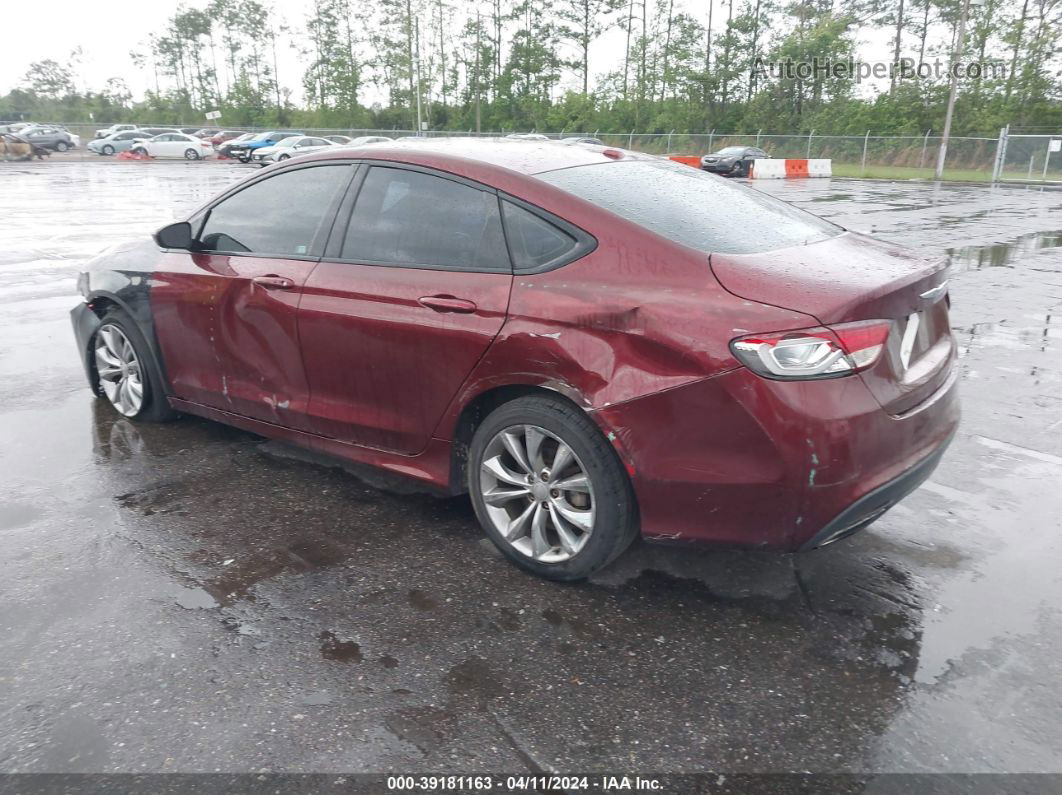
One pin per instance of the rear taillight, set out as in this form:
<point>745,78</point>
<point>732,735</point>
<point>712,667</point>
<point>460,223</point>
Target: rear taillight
<point>813,352</point>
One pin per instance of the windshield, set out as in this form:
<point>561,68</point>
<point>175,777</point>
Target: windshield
<point>731,150</point>
<point>691,207</point>
<point>287,142</point>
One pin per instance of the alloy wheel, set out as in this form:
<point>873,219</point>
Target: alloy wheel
<point>537,493</point>
<point>121,375</point>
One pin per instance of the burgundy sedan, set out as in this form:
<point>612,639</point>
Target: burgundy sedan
<point>592,343</point>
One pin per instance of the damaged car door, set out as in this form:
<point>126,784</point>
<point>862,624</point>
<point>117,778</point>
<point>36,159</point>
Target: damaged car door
<point>225,312</point>
<point>412,290</point>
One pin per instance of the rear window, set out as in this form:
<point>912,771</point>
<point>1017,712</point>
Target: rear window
<point>691,207</point>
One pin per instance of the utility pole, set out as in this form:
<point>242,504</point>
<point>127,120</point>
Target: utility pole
<point>475,80</point>
<point>955,56</point>
<point>416,33</point>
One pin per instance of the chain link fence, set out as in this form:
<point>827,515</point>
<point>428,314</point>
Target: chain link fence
<point>1022,157</point>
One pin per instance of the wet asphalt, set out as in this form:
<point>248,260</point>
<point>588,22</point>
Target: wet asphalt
<point>188,597</point>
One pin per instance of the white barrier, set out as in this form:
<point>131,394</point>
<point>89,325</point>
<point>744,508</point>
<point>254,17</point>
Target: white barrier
<point>768,169</point>
<point>778,168</point>
<point>820,168</point>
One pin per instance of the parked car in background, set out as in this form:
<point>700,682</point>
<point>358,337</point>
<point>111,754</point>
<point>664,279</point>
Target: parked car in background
<point>243,150</point>
<point>361,140</point>
<point>174,144</point>
<point>342,140</point>
<point>14,147</point>
<point>733,161</point>
<point>223,136</point>
<point>151,132</point>
<point>14,127</point>
<point>206,132</point>
<point>463,321</point>
<point>48,137</point>
<point>576,140</point>
<point>107,132</point>
<point>116,142</point>
<point>290,147</point>
<point>527,137</point>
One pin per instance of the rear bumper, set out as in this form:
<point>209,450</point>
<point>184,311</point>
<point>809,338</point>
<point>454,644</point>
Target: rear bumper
<point>873,505</point>
<point>743,461</point>
<point>85,324</point>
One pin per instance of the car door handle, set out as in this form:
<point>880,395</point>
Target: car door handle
<point>273,282</point>
<point>447,303</point>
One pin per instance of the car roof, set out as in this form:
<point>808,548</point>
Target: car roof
<point>520,155</point>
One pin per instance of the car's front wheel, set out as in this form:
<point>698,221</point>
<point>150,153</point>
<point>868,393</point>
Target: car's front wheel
<point>108,149</point>
<point>284,157</point>
<point>549,490</point>
<point>127,374</point>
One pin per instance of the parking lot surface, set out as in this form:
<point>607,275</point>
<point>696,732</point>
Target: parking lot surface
<point>188,597</point>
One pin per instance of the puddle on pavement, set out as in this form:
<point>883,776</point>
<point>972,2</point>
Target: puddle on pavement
<point>319,699</point>
<point>195,599</point>
<point>333,648</point>
<point>1001,254</point>
<point>16,514</point>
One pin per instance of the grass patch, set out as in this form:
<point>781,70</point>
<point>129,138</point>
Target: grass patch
<point>913,172</point>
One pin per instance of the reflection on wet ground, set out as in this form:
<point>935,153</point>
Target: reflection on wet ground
<point>999,254</point>
<point>188,597</point>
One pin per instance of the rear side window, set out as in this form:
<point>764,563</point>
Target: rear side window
<point>410,218</point>
<point>691,207</point>
<point>280,216</point>
<point>535,242</point>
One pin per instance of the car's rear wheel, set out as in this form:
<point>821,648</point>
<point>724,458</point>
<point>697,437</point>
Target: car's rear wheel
<point>127,374</point>
<point>191,154</point>
<point>62,146</point>
<point>549,490</point>
<point>108,149</point>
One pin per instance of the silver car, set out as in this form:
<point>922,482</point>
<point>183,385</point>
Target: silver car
<point>107,132</point>
<point>49,137</point>
<point>367,139</point>
<point>116,142</point>
<point>290,147</point>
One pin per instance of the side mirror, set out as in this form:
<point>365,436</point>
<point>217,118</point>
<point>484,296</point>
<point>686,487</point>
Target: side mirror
<point>178,235</point>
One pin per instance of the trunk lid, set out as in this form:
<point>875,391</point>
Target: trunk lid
<point>853,277</point>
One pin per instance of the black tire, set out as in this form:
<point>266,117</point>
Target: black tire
<point>282,158</point>
<point>616,519</point>
<point>245,158</point>
<point>140,151</point>
<point>191,154</point>
<point>108,149</point>
<point>62,146</point>
<point>155,407</point>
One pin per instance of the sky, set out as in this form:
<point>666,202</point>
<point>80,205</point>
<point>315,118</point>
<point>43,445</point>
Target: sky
<point>106,35</point>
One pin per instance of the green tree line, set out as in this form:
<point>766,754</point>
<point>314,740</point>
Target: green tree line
<point>528,64</point>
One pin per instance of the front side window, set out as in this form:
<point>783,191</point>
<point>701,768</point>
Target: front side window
<point>284,215</point>
<point>693,208</point>
<point>410,218</point>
